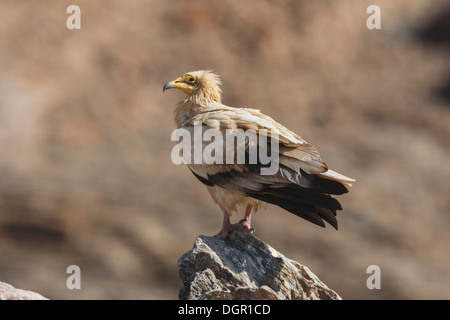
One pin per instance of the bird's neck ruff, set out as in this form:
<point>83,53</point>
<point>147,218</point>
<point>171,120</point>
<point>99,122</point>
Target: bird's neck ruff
<point>207,94</point>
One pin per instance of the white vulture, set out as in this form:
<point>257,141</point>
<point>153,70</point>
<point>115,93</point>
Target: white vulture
<point>302,183</point>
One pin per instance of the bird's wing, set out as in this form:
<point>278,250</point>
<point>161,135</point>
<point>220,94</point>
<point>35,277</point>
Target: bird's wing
<point>294,152</point>
<point>298,186</point>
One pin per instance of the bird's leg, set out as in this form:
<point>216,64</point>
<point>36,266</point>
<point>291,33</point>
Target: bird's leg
<point>246,222</point>
<point>227,226</point>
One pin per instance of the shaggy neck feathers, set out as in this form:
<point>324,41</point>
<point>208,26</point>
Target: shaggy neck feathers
<point>208,89</point>
<point>207,93</point>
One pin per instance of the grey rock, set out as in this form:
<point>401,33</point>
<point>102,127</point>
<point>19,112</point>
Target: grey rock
<point>242,267</point>
<point>8,292</point>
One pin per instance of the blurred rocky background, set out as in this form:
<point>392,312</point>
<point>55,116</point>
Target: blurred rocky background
<point>86,176</point>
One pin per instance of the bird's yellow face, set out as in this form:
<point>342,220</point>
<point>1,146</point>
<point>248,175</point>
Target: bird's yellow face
<point>187,83</point>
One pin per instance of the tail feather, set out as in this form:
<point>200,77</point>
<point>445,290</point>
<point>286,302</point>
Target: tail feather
<point>333,175</point>
<point>302,211</point>
<point>309,204</point>
<point>306,196</point>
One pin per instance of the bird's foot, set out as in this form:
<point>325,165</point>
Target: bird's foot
<point>227,226</point>
<point>246,225</point>
<point>221,235</point>
<point>226,229</point>
<point>243,224</point>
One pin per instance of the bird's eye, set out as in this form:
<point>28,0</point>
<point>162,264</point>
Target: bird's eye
<point>191,79</point>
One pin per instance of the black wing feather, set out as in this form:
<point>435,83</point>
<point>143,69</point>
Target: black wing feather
<point>308,203</point>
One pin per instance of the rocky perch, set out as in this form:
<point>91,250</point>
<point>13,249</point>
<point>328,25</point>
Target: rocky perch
<point>242,267</point>
<point>8,292</point>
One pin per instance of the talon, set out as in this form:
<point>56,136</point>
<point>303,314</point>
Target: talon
<point>246,225</point>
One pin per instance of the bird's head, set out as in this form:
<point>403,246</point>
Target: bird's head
<point>188,83</point>
<point>202,85</point>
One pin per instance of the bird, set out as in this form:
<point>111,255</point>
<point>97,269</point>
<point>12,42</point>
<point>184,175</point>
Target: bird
<point>302,184</point>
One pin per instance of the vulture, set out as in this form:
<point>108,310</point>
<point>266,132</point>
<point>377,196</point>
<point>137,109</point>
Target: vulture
<point>237,174</point>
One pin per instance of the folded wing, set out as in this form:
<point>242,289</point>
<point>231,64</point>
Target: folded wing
<point>303,184</point>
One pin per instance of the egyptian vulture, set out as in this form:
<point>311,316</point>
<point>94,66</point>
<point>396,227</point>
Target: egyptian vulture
<point>302,183</point>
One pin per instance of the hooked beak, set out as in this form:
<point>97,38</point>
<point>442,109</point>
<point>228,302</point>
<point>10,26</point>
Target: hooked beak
<point>180,85</point>
<point>169,85</point>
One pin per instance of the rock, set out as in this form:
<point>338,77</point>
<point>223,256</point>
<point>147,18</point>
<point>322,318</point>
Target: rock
<point>8,292</point>
<point>242,267</point>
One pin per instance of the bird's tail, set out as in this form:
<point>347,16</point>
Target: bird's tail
<point>307,203</point>
<point>332,175</point>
